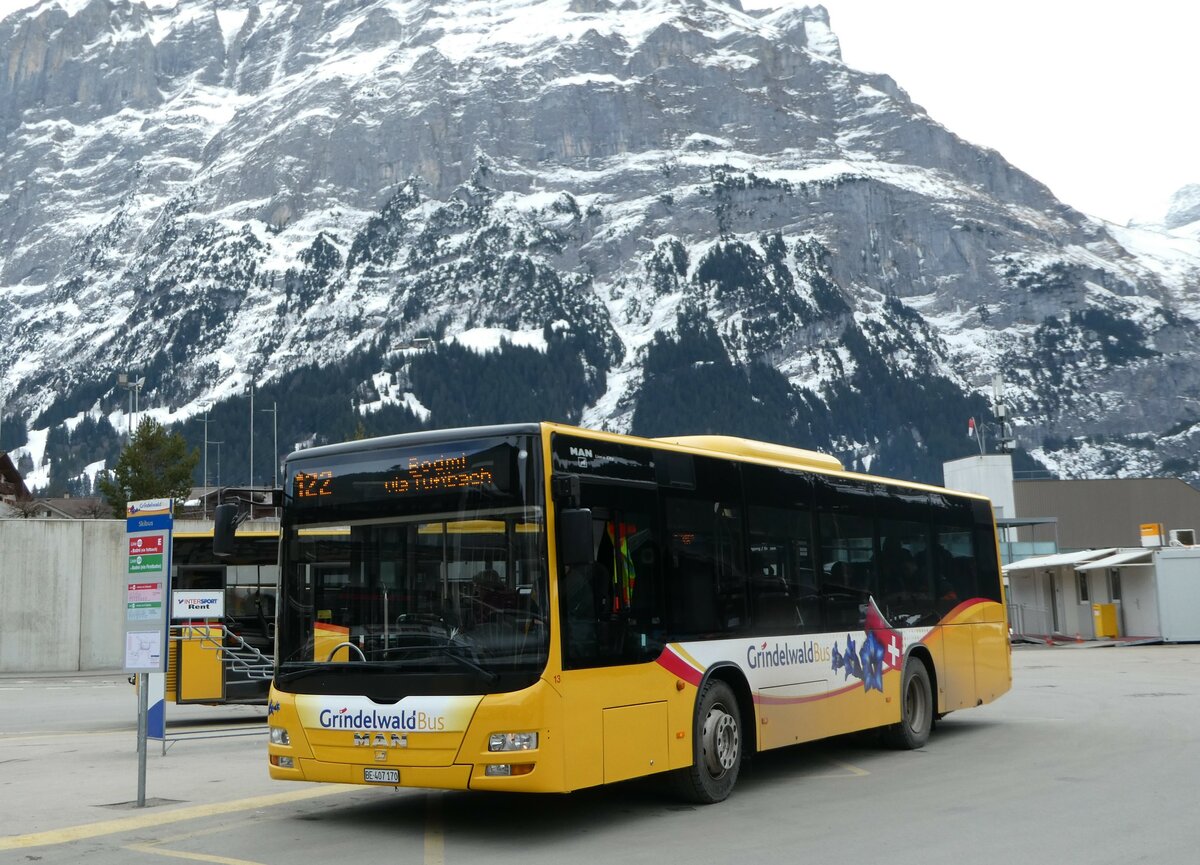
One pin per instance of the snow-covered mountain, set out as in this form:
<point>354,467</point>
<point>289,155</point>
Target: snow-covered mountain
<point>663,216</point>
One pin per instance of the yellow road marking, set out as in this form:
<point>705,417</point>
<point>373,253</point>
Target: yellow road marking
<point>853,770</point>
<point>25,736</point>
<point>156,846</point>
<point>195,857</point>
<point>162,818</point>
<point>435,839</point>
<point>22,736</point>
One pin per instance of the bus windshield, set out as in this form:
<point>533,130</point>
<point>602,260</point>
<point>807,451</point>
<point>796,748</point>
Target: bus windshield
<point>415,568</point>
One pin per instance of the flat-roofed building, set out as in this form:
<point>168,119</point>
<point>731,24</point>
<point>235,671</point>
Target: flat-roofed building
<point>1109,512</point>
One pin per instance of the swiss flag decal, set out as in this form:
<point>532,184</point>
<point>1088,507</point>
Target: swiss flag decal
<point>888,637</point>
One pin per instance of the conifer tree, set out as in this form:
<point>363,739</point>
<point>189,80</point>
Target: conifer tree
<point>155,464</point>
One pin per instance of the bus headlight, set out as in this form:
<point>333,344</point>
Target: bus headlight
<point>513,742</point>
<point>279,736</point>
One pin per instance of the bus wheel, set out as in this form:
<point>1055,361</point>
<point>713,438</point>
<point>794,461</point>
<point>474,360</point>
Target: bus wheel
<point>916,709</point>
<point>716,746</point>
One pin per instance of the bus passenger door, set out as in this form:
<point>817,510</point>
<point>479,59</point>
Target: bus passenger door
<point>613,693</point>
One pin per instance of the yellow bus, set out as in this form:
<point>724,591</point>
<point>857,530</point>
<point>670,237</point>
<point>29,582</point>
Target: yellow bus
<point>543,608</point>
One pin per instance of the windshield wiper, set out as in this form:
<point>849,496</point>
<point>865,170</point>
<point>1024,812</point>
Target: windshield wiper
<point>452,651</point>
<point>469,663</point>
<point>337,666</point>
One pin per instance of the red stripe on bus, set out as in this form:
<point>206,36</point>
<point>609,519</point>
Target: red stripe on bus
<point>671,662</point>
<point>962,608</point>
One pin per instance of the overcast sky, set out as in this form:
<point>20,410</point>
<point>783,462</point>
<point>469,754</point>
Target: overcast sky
<point>1095,98</point>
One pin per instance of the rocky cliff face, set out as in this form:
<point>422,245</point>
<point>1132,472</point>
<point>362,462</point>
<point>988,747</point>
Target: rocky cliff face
<point>679,216</point>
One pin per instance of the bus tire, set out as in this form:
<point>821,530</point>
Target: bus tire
<point>916,709</point>
<point>716,746</point>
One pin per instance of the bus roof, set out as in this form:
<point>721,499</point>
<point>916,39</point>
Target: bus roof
<point>416,438</point>
<point>750,450</point>
<point>734,446</point>
<point>729,446</point>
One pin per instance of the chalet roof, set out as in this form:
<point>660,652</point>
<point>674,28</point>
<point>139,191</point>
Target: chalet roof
<point>76,507</point>
<point>11,483</point>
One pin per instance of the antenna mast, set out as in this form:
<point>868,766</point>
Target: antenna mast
<point>1005,440</point>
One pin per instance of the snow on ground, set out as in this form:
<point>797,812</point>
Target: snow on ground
<point>483,340</point>
<point>1172,256</point>
<point>231,21</point>
<point>35,449</point>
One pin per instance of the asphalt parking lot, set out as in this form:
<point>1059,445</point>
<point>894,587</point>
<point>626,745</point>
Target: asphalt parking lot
<point>1091,758</point>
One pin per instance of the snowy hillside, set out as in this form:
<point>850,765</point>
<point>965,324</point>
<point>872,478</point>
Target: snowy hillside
<point>663,216</point>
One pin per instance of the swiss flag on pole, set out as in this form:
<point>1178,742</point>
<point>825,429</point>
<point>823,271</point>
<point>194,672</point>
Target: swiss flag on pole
<point>971,427</point>
<point>888,637</point>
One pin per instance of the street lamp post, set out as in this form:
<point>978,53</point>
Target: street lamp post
<point>218,444</point>
<point>250,388</point>
<point>204,404</point>
<point>134,387</point>
<point>274,412</point>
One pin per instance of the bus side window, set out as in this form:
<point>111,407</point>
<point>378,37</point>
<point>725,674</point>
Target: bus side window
<point>987,570</point>
<point>953,556</point>
<point>848,562</point>
<point>906,589</point>
<point>707,582</point>
<point>783,591</point>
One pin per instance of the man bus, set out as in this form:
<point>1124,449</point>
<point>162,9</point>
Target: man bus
<point>543,608</point>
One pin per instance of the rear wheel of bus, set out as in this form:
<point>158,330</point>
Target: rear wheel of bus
<point>716,746</point>
<point>916,709</point>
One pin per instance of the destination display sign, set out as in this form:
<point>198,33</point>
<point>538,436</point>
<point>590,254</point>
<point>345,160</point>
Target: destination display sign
<point>484,467</point>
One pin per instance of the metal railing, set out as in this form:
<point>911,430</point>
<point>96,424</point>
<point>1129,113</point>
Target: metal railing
<point>1028,620</point>
<point>236,653</point>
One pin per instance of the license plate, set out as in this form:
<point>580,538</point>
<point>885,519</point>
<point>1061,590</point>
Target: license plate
<point>382,776</point>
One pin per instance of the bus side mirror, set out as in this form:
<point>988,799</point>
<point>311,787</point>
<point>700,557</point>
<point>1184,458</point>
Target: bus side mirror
<point>225,523</point>
<point>575,536</point>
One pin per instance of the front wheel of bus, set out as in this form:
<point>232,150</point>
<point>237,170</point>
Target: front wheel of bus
<point>916,709</point>
<point>716,746</point>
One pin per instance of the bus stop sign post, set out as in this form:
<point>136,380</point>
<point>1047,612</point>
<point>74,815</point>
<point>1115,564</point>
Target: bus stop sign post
<point>148,526</point>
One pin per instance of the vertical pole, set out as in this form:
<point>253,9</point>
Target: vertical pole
<point>275,435</point>
<point>252,437</point>
<point>204,483</point>
<point>143,712</point>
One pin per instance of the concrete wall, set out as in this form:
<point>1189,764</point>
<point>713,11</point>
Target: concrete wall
<point>62,592</point>
<point>63,588</point>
